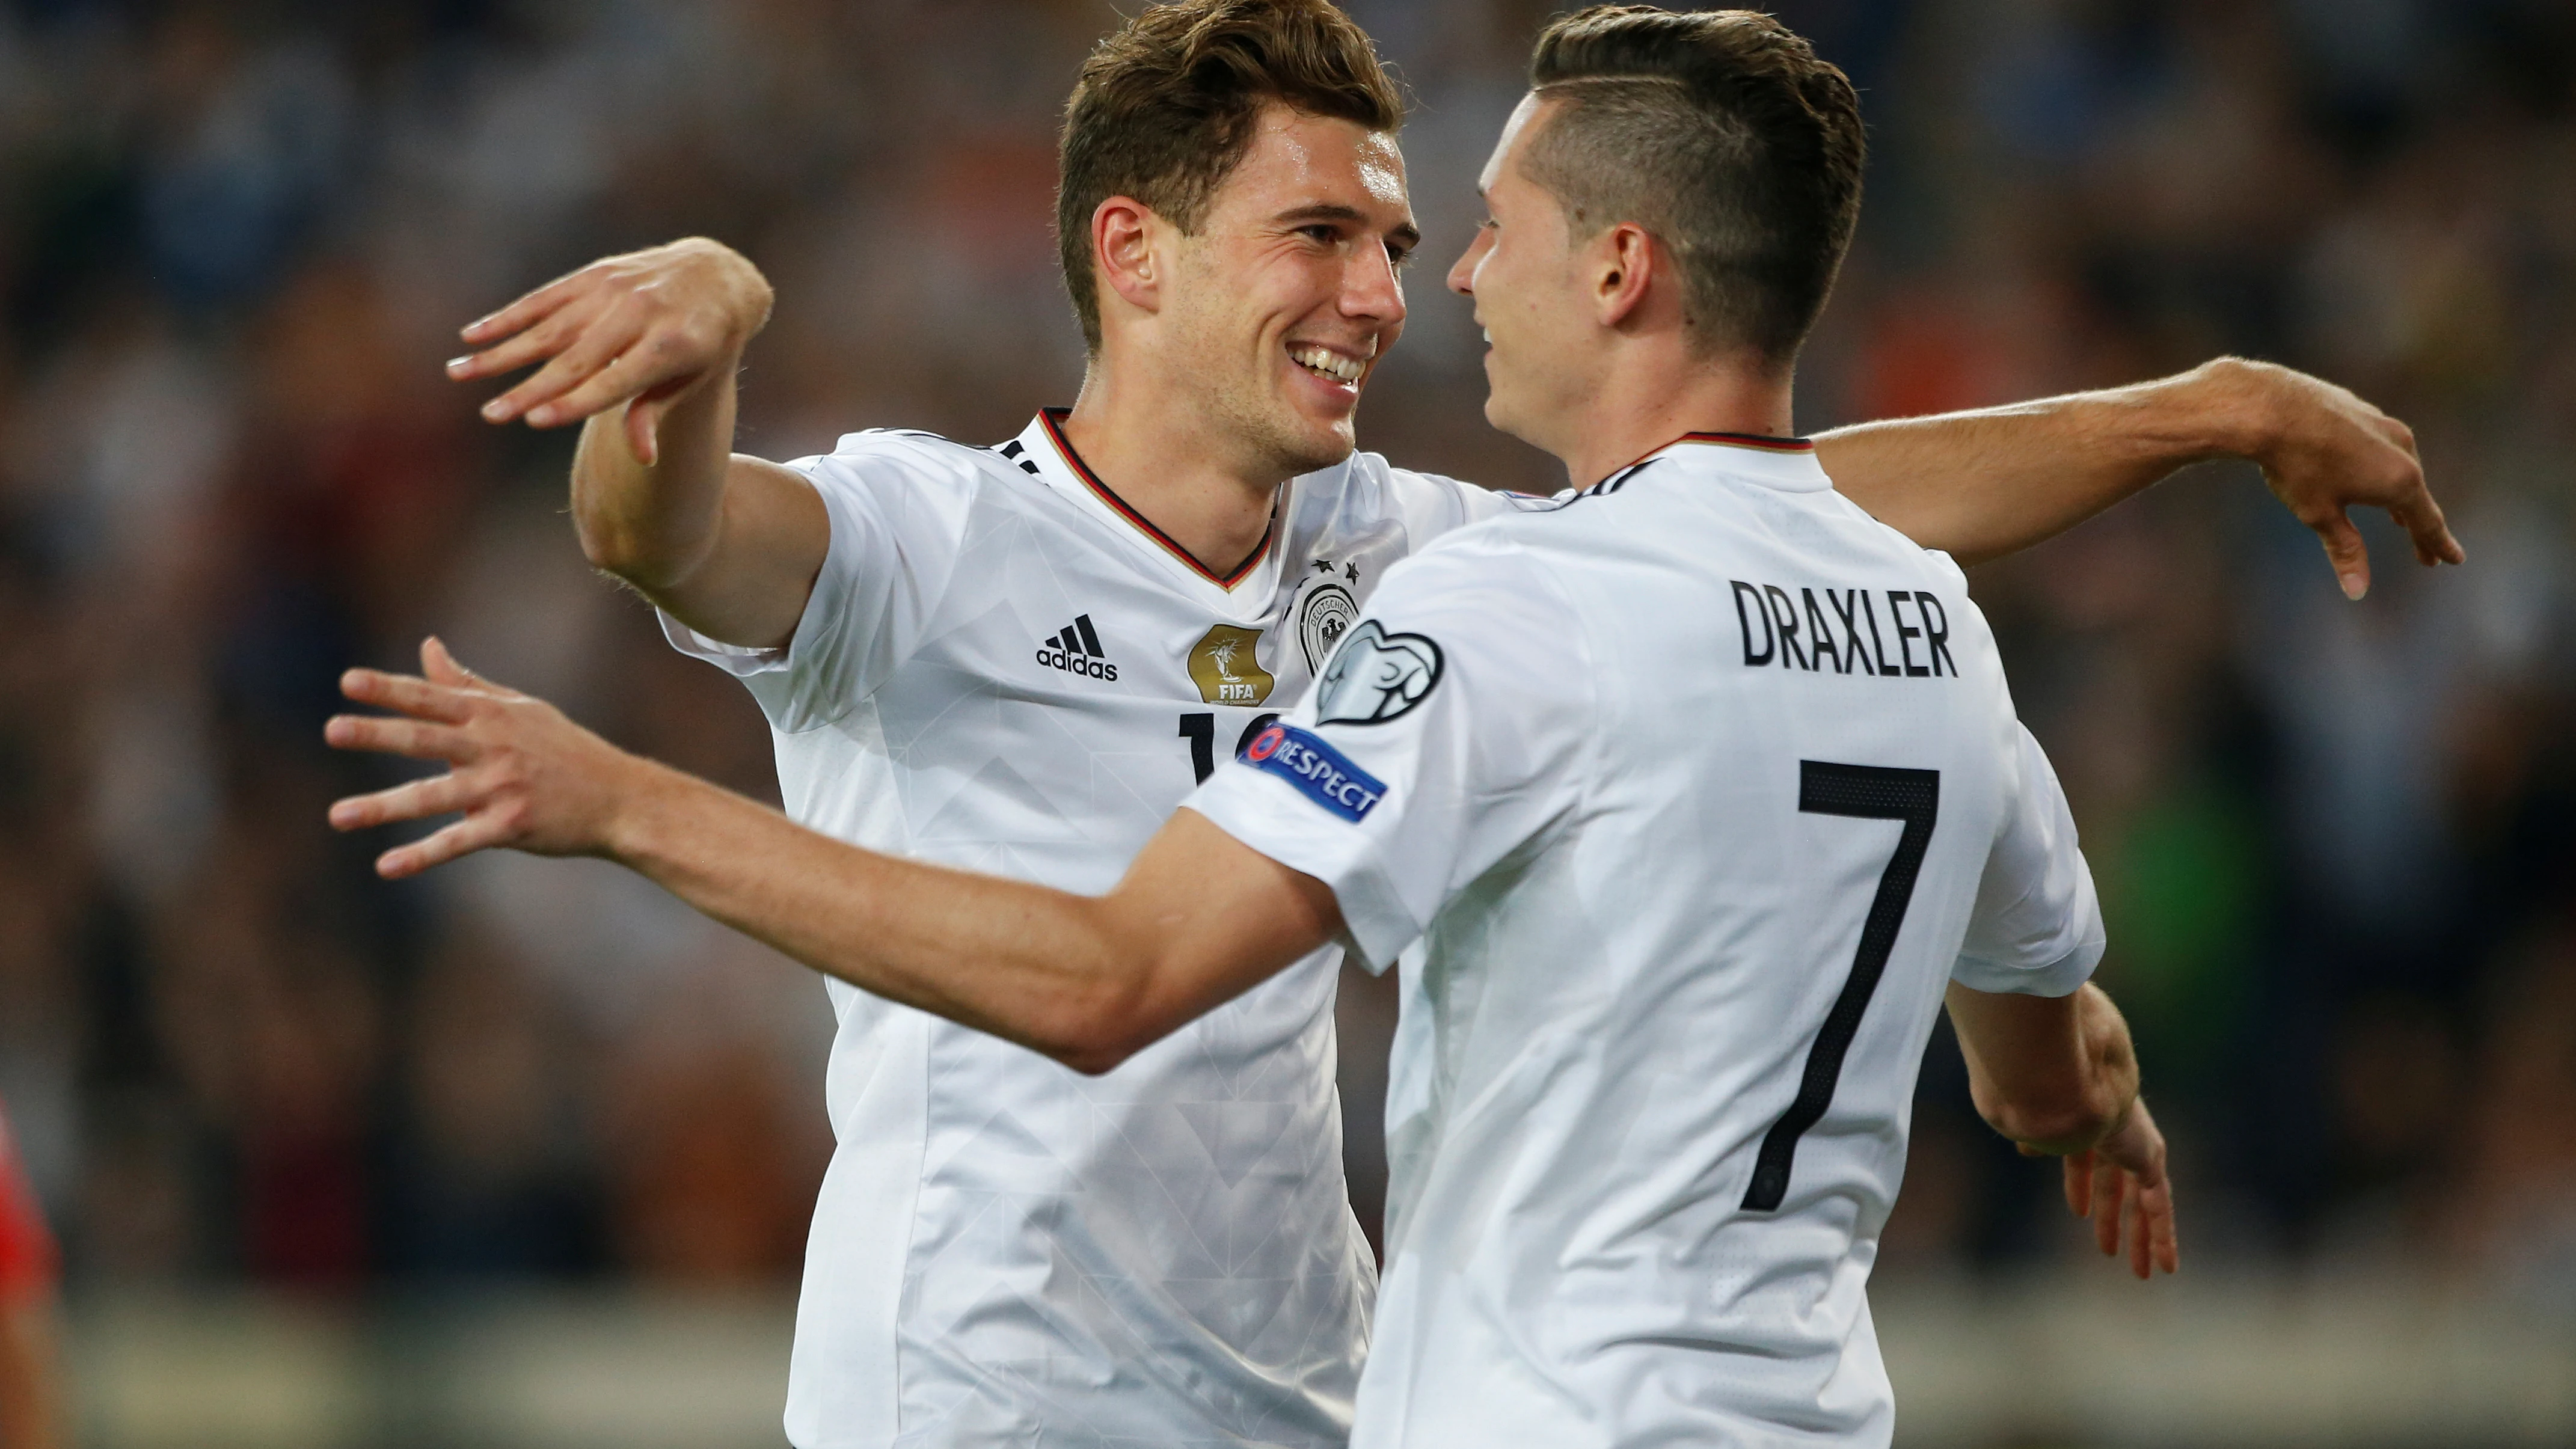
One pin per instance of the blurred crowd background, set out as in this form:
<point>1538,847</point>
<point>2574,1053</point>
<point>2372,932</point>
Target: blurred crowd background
<point>2336,842</point>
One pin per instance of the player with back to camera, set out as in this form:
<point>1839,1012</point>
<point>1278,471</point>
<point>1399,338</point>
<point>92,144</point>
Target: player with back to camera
<point>1021,659</point>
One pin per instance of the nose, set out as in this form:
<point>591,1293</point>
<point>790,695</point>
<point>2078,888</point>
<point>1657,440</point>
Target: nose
<point>1462,275</point>
<point>1370,287</point>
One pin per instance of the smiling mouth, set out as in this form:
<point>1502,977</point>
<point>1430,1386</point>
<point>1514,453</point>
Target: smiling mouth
<point>1328,364</point>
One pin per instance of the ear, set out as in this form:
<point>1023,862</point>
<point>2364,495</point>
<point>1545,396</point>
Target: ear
<point>1623,262</point>
<point>1123,253</point>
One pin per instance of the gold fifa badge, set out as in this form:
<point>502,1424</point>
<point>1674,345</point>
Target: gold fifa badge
<point>1226,672</point>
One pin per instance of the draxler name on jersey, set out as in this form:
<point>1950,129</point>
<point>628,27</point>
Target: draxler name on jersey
<point>1320,772</point>
<point>1842,633</point>
<point>1076,650</point>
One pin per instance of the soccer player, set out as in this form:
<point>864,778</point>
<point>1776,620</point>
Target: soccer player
<point>1021,659</point>
<point>30,1401</point>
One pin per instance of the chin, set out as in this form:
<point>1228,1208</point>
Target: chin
<point>1308,444</point>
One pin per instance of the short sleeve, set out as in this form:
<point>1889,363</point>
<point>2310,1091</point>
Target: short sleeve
<point>1447,730</point>
<point>27,1257</point>
<point>2037,927</point>
<point>898,511</point>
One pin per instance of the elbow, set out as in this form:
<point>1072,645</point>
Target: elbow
<point>1093,1061</point>
<point>618,552</point>
<point>1096,1035</point>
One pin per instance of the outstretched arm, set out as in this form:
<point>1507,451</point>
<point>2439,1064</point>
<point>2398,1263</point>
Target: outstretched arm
<point>1090,980</point>
<point>1991,482</point>
<point>642,350</point>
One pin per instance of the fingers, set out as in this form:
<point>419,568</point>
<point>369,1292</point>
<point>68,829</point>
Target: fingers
<point>529,309</point>
<point>466,836</point>
<point>414,800</point>
<point>2107,1195</point>
<point>408,738</point>
<point>643,431</point>
<point>2079,1183</point>
<point>647,362</point>
<point>600,344</point>
<point>418,698</point>
<point>2163,1245</point>
<point>2345,551</point>
<point>2133,1225</point>
<point>2422,519</point>
<point>543,339</point>
<point>442,669</point>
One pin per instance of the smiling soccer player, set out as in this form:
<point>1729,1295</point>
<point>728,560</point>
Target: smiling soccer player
<point>1021,659</point>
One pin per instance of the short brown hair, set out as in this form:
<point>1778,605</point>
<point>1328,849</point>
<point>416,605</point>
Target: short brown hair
<point>1723,135</point>
<point>1165,108</point>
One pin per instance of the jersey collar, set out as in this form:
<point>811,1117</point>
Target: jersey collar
<point>1045,451</point>
<point>1787,464</point>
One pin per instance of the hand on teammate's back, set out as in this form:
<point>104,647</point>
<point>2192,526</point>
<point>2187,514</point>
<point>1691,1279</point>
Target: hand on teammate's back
<point>645,327</point>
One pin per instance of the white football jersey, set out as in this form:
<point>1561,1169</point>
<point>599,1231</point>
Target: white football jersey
<point>1003,668</point>
<point>1702,786</point>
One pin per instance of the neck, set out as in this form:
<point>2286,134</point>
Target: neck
<point>1650,395</point>
<point>1172,463</point>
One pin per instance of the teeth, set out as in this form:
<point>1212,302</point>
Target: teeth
<point>1325,362</point>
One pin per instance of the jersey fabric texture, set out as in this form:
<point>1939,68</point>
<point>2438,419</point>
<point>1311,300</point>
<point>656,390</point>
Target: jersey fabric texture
<point>1659,773</point>
<point>28,1263</point>
<point>1003,668</point>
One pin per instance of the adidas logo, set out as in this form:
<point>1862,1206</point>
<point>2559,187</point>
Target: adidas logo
<point>1076,650</point>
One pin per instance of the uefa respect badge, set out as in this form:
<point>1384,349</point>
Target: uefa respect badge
<point>1320,772</point>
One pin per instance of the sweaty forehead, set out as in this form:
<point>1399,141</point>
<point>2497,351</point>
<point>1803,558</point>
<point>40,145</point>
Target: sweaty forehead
<point>1297,159</point>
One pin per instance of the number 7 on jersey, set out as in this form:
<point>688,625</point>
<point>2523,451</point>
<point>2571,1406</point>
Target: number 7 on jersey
<point>1865,792</point>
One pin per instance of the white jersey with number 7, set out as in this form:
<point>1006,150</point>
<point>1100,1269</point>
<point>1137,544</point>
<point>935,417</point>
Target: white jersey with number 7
<point>1702,787</point>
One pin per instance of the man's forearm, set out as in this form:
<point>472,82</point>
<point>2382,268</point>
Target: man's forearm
<point>1982,484</point>
<point>2053,1073</point>
<point>651,523</point>
<point>2111,1060</point>
<point>1036,966</point>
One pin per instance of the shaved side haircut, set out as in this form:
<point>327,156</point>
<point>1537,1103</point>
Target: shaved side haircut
<point>1725,137</point>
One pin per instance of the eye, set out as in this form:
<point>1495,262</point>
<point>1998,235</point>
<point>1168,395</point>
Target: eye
<point>1322,232</point>
<point>1401,257</point>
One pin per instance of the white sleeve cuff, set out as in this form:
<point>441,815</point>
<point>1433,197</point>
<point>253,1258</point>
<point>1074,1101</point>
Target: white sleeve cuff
<point>1376,924</point>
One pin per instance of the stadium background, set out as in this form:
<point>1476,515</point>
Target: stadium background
<point>522,1154</point>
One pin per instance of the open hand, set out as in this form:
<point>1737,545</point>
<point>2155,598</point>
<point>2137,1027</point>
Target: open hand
<point>523,775</point>
<point>640,330</point>
<point>2328,451</point>
<point>2121,1185</point>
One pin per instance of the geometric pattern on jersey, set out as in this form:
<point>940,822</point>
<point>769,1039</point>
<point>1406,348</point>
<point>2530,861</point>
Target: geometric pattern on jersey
<point>1693,862</point>
<point>993,672</point>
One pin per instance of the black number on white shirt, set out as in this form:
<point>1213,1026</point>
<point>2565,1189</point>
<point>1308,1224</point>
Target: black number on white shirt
<point>1200,731</point>
<point>1865,792</point>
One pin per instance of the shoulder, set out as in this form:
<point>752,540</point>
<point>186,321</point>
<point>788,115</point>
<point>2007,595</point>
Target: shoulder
<point>1433,498</point>
<point>881,456</point>
<point>1486,585</point>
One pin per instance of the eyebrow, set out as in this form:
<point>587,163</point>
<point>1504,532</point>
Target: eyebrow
<point>1405,232</point>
